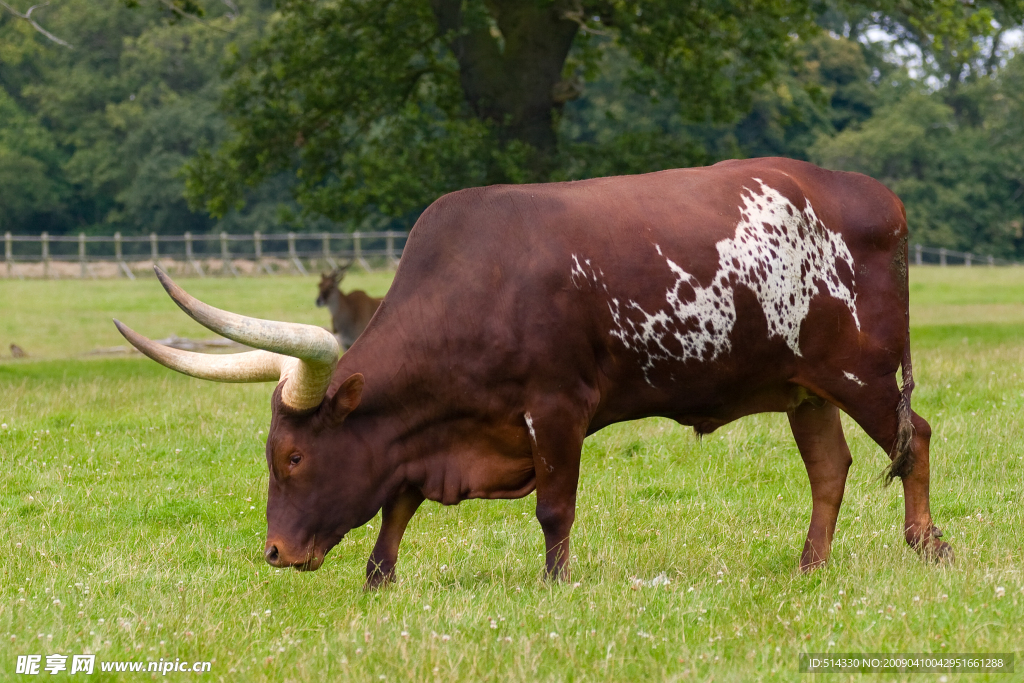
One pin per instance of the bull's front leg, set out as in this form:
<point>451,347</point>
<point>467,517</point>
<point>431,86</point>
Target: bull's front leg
<point>557,441</point>
<point>397,512</point>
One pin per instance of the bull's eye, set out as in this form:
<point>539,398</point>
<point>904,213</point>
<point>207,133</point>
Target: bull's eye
<point>296,459</point>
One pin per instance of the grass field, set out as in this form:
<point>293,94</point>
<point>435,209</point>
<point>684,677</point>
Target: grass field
<point>132,516</point>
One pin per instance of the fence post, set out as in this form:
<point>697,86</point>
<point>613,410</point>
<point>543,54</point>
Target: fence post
<point>9,254</point>
<point>81,256</point>
<point>154,248</point>
<point>390,248</point>
<point>190,256</point>
<point>119,257</point>
<point>257,247</point>
<point>293,255</point>
<point>967,259</point>
<point>327,252</point>
<point>225,255</point>
<point>991,261</point>
<point>917,254</point>
<point>357,249</point>
<point>942,256</point>
<point>46,254</point>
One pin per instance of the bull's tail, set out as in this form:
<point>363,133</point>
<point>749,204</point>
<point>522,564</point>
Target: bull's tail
<point>902,456</point>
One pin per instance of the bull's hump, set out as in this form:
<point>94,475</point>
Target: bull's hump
<point>782,253</point>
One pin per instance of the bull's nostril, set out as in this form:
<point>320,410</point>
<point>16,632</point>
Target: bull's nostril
<point>271,555</point>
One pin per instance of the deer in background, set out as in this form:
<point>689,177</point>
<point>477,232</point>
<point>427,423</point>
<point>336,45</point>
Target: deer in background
<point>350,312</point>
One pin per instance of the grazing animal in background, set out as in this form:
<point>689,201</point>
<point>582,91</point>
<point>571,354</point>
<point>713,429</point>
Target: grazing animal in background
<point>523,318</point>
<point>350,313</point>
<point>17,351</point>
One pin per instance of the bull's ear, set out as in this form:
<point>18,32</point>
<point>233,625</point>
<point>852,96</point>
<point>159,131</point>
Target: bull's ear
<point>346,398</point>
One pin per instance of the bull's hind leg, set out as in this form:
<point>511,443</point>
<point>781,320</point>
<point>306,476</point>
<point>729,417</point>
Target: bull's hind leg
<point>920,531</point>
<point>819,436</point>
<point>883,412</point>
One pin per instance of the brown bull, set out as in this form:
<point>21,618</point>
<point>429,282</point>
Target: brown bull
<point>350,313</point>
<point>523,318</point>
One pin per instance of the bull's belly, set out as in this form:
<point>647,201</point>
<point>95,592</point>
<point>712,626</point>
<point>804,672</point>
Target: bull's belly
<point>478,474</point>
<point>704,410</point>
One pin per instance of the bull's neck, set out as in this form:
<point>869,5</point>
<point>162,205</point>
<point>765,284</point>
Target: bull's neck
<point>404,399</point>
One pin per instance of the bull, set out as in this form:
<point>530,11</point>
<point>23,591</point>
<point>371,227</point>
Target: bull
<point>523,318</point>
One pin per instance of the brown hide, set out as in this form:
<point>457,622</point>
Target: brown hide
<point>523,318</point>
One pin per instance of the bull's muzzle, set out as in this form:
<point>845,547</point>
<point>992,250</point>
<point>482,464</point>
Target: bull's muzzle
<point>308,560</point>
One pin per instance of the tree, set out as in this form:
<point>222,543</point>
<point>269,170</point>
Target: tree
<point>961,183</point>
<point>382,106</point>
<point>27,16</point>
<point>93,138</point>
<point>379,107</point>
<point>613,129</point>
<point>28,157</point>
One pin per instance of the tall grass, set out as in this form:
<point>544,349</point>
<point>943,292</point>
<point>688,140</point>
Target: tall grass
<point>132,508</point>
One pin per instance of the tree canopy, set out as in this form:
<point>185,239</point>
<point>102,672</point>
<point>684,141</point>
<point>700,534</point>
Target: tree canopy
<point>382,106</point>
<point>385,105</point>
<point>169,115</point>
<point>94,137</point>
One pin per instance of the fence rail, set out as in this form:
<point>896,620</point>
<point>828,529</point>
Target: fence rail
<point>924,256</point>
<point>87,256</point>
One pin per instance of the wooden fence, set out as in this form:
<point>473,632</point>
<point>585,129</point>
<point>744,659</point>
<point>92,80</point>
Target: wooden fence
<point>924,256</point>
<point>87,256</point>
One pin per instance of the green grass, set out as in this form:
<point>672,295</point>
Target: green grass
<point>68,318</point>
<point>136,496</point>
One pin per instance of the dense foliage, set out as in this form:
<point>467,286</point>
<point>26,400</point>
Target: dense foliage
<point>357,114</point>
<point>93,138</point>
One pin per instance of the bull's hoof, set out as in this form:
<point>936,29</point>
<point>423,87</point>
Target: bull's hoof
<point>931,548</point>
<point>378,580</point>
<point>939,552</point>
<point>561,575</point>
<point>814,556</point>
<point>808,566</point>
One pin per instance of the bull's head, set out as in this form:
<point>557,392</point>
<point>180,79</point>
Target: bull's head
<point>305,518</point>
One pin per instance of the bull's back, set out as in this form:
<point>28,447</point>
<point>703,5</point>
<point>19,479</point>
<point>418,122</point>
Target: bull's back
<point>646,283</point>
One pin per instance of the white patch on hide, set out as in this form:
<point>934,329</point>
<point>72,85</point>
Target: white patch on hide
<point>782,254</point>
<point>579,275</point>
<point>853,378</point>
<point>529,425</point>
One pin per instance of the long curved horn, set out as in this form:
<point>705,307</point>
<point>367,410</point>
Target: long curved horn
<point>251,366</point>
<point>308,342</point>
<point>304,355</point>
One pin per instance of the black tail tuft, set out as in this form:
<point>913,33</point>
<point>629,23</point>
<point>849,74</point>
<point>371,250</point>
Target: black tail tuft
<point>902,455</point>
